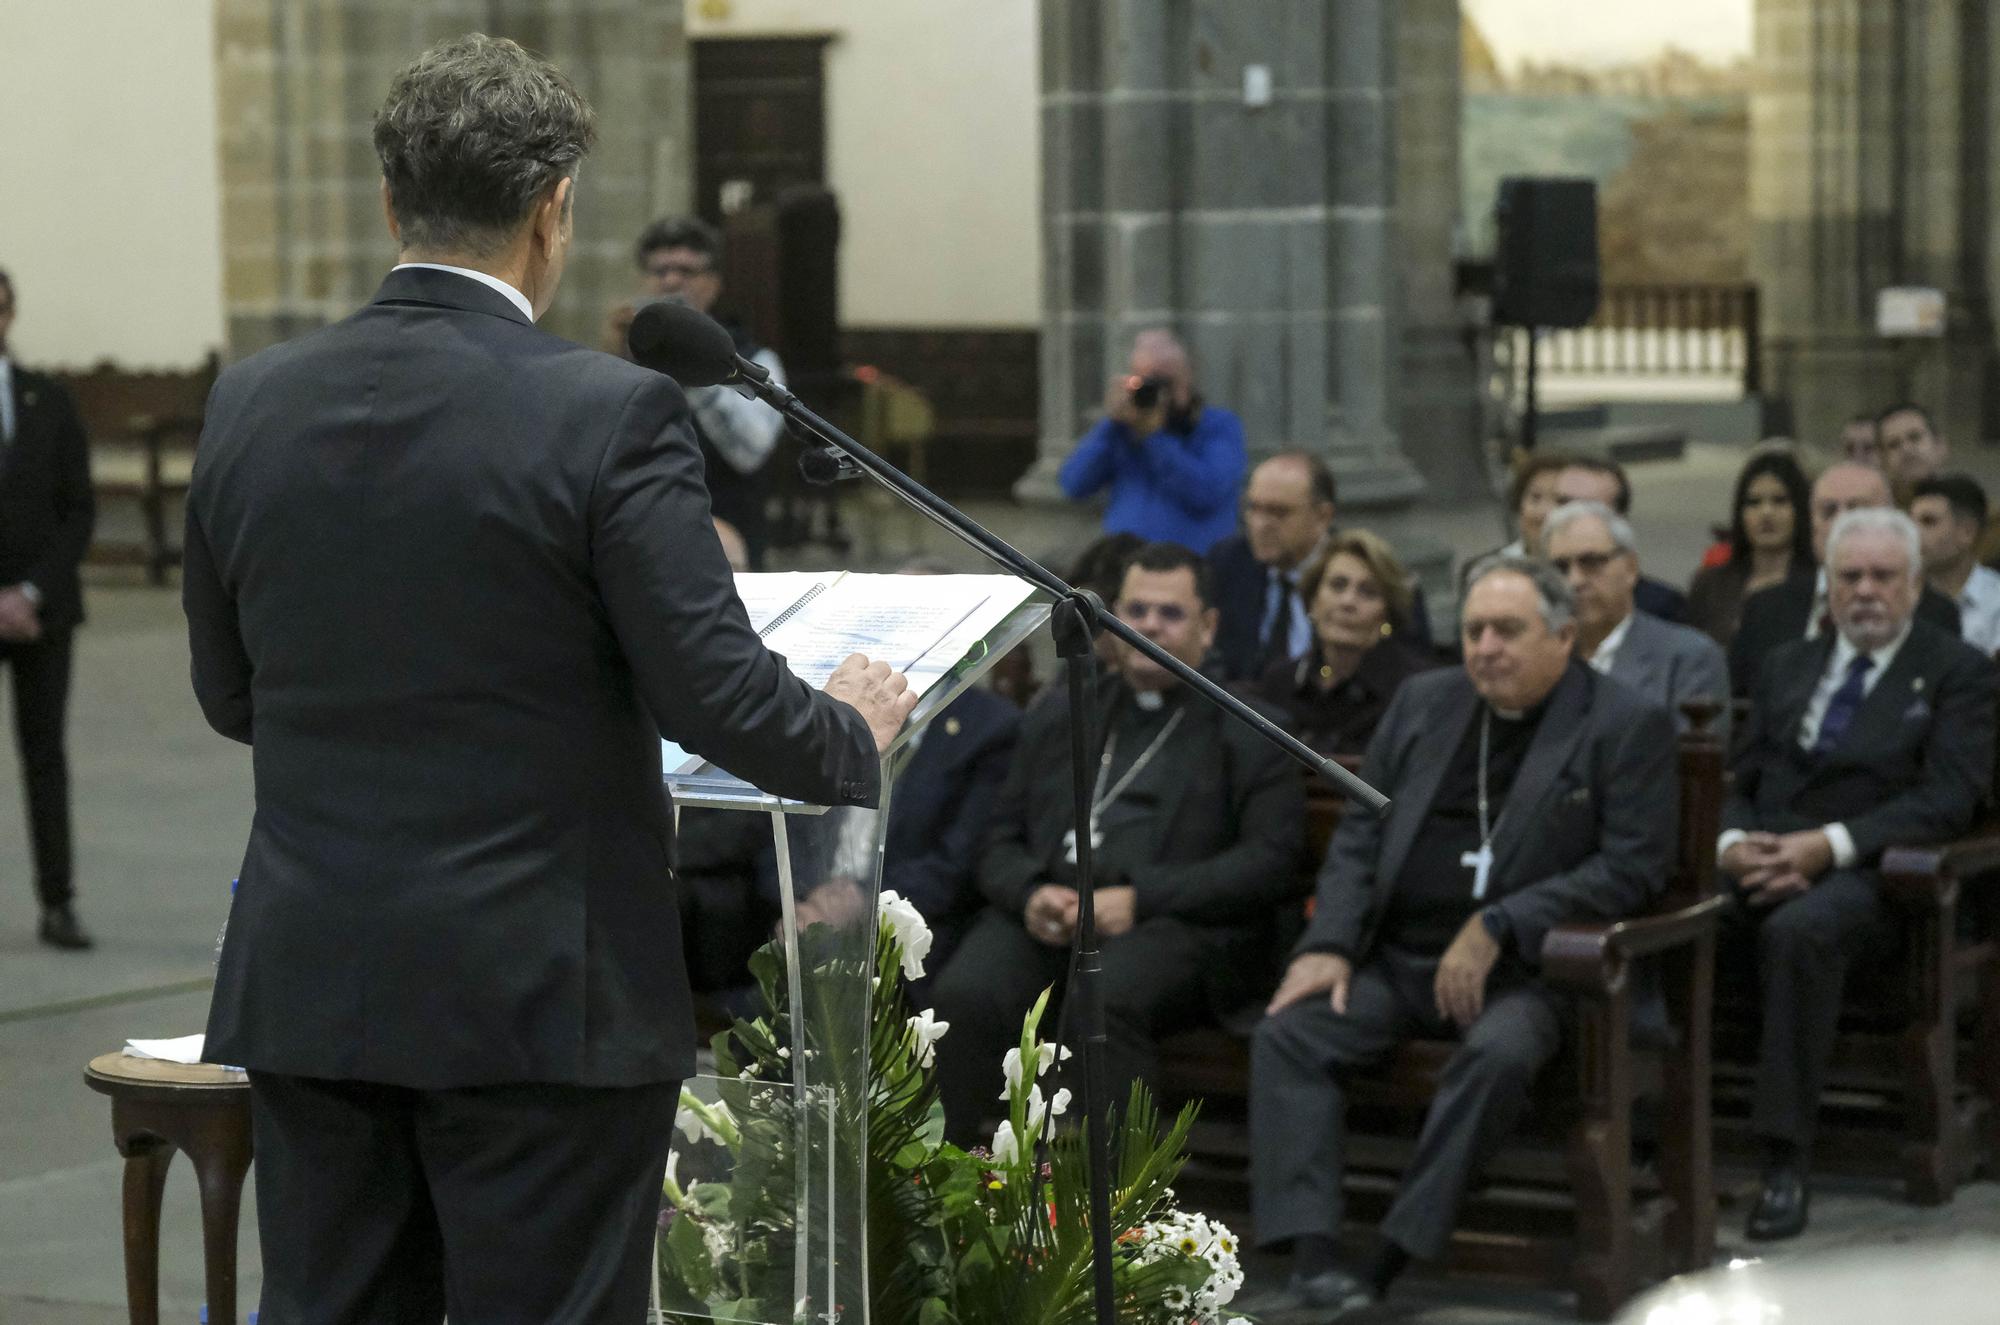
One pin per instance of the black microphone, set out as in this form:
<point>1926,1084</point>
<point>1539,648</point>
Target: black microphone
<point>686,344</point>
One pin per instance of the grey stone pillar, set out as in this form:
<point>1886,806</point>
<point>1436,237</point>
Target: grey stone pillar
<point>1263,234</point>
<point>1870,166</point>
<point>298,85</point>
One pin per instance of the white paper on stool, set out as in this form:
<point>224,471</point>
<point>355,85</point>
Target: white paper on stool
<point>184,1049</point>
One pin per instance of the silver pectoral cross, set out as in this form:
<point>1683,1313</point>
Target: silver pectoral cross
<point>1069,842</point>
<point>1480,862</point>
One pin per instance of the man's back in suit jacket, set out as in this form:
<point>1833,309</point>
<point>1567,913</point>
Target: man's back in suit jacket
<point>453,578</point>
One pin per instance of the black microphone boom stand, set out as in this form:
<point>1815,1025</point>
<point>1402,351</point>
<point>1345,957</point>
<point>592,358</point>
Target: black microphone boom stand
<point>1075,620</point>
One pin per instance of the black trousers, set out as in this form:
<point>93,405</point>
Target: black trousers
<point>1798,954</point>
<point>1154,978</point>
<point>41,672</point>
<point>533,1203</point>
<point>1298,1110</point>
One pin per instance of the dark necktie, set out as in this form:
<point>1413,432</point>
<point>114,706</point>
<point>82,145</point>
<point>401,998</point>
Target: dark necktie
<point>1278,639</point>
<point>1846,702</point>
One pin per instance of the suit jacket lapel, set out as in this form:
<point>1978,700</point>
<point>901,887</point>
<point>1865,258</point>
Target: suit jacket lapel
<point>1429,755</point>
<point>1637,663</point>
<point>1797,692</point>
<point>1562,727</point>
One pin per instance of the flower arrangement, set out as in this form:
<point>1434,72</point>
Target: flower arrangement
<point>998,1235</point>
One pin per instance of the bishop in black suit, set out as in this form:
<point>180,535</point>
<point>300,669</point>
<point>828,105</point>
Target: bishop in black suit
<point>46,514</point>
<point>452,578</point>
<point>1877,735</point>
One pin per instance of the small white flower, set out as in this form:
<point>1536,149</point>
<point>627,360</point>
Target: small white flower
<point>913,934</point>
<point>1010,1068</point>
<point>1060,1104</point>
<point>717,1126</point>
<point>928,1030</point>
<point>1006,1150</point>
<point>1177,1298</point>
<point>1037,1110</point>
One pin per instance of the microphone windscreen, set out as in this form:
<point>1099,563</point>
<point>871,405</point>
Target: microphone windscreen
<point>684,343</point>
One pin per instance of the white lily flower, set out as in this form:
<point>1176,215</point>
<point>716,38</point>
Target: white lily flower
<point>928,1030</point>
<point>1006,1150</point>
<point>913,933</point>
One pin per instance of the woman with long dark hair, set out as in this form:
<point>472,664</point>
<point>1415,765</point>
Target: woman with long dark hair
<point>1770,536</point>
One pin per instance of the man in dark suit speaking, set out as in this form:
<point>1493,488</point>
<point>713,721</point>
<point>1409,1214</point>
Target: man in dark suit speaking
<point>453,578</point>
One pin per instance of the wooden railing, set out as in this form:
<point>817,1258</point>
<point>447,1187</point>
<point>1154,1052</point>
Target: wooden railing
<point>1663,331</point>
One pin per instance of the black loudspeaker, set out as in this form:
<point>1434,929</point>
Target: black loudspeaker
<point>1545,265</point>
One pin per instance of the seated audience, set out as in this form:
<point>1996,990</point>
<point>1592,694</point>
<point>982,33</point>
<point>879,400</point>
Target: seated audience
<point>1770,536</point>
<point>1526,791</point>
<point>1950,512</point>
<point>1335,691</point>
<point>1173,462</point>
<point>1604,482</point>
<point>1861,441</point>
<point>1531,497</point>
<point>1197,824</point>
<point>1878,734</point>
<point>1797,608</point>
<point>1912,448</point>
<point>1591,546</point>
<point>1288,511</point>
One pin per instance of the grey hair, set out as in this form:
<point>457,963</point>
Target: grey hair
<point>473,134</point>
<point>1615,524</point>
<point>1878,519</point>
<point>1558,605</point>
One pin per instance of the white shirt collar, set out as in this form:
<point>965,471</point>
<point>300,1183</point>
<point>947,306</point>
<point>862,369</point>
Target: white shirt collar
<point>1845,653</point>
<point>1607,649</point>
<point>484,278</point>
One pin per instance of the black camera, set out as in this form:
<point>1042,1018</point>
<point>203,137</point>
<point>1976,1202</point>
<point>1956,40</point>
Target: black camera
<point>1146,392</point>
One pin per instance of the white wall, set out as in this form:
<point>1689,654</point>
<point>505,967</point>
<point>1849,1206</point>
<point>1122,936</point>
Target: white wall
<point>110,213</point>
<point>932,148</point>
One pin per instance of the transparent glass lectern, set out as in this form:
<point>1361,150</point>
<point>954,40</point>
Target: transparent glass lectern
<point>773,1226</point>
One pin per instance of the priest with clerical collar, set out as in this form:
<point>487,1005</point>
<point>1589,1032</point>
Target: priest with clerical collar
<point>1198,824</point>
<point>1526,791</point>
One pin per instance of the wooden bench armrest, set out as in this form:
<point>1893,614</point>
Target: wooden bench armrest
<point>1924,878</point>
<point>1592,956</point>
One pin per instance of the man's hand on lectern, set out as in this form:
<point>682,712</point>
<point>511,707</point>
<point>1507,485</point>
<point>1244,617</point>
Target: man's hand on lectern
<point>876,693</point>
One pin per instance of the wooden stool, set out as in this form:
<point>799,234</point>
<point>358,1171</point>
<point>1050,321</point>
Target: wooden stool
<point>157,1108</point>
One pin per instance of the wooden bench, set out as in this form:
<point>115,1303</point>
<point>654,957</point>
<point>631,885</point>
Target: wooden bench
<point>1565,1204</point>
<point>143,427</point>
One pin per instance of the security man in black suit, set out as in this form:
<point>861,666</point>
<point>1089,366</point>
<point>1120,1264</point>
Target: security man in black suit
<point>46,515</point>
<point>1796,608</point>
<point>1876,735</point>
<point>453,579</point>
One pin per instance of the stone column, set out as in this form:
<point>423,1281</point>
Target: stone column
<point>1870,132</point>
<point>1264,234</point>
<point>299,82</point>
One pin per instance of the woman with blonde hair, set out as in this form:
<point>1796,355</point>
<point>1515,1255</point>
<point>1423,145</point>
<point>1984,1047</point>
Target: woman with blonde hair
<point>1358,597</point>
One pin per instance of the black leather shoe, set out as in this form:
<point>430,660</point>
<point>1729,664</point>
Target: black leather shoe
<point>61,930</point>
<point>1780,1211</point>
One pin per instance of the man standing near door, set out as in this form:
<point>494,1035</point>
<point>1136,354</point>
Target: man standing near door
<point>46,515</point>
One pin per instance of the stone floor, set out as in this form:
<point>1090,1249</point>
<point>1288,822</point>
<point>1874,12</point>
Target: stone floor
<point>161,808</point>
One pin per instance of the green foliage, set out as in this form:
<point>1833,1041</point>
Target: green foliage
<point>952,1237</point>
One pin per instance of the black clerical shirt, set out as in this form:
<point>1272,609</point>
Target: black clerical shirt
<point>1431,899</point>
<point>1128,823</point>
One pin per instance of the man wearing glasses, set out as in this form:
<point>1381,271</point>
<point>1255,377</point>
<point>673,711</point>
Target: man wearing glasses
<point>1288,512</point>
<point>1593,548</point>
<point>1197,824</point>
<point>680,258</point>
